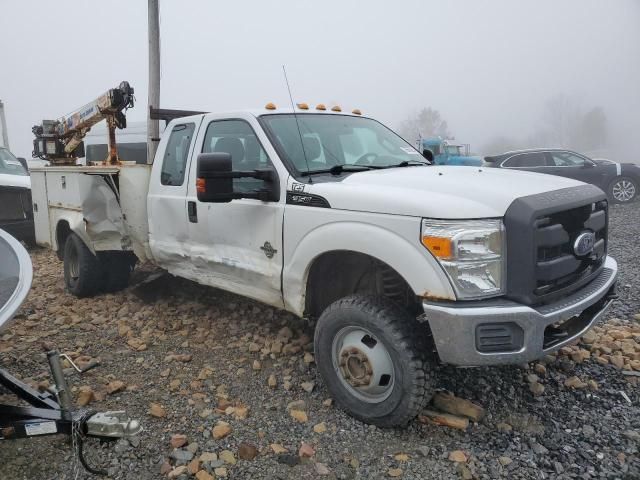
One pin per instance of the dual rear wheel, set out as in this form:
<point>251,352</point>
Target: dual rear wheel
<point>86,274</point>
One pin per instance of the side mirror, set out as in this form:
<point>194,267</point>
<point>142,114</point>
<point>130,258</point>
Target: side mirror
<point>426,153</point>
<point>588,164</point>
<point>24,163</point>
<point>214,180</point>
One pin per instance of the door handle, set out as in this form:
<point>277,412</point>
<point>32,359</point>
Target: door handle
<point>192,210</point>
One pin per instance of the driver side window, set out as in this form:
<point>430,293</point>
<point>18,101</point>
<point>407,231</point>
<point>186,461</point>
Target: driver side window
<point>237,138</point>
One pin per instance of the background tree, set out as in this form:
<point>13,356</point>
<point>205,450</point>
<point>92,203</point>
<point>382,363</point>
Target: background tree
<point>426,123</point>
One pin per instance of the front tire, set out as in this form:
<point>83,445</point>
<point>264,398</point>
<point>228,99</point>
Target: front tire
<point>82,269</point>
<point>623,190</point>
<point>372,355</point>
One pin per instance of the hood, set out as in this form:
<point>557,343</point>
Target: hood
<point>467,160</point>
<point>7,180</point>
<point>603,161</point>
<point>436,191</point>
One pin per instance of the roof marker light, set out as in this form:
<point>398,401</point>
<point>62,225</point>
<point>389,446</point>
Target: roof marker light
<point>336,108</point>
<point>302,106</point>
<point>356,111</point>
<point>321,106</point>
<point>270,106</point>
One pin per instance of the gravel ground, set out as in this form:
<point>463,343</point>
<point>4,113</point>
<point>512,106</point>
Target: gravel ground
<point>189,350</point>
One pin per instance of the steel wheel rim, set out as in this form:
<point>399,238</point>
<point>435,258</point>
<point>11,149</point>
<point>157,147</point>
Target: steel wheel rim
<point>624,190</point>
<point>363,364</point>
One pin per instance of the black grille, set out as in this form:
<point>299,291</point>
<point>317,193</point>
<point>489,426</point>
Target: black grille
<point>557,266</point>
<point>541,231</point>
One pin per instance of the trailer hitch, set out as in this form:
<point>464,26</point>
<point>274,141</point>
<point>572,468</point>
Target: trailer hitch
<point>52,412</point>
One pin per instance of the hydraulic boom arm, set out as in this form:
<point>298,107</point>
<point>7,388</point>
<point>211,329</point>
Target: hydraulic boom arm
<point>60,141</point>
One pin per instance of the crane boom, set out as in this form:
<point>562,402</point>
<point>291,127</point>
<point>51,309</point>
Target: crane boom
<point>61,141</point>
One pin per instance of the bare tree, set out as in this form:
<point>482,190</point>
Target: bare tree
<point>565,124</point>
<point>426,123</point>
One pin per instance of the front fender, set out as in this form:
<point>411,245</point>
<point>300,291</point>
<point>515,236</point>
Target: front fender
<point>409,258</point>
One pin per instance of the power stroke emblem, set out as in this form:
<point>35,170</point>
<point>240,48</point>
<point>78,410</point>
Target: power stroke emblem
<point>584,244</point>
<point>268,250</point>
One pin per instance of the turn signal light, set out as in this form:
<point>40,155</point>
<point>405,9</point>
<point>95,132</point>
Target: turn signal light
<point>336,108</point>
<point>201,185</point>
<point>270,106</point>
<point>303,106</point>
<point>321,106</point>
<point>440,247</point>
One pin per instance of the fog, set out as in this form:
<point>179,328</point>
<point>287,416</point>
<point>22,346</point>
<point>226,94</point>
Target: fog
<point>490,68</point>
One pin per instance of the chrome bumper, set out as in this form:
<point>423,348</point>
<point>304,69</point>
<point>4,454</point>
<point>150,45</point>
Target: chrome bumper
<point>459,332</point>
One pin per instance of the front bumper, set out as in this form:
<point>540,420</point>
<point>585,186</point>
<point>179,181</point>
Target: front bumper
<point>499,332</point>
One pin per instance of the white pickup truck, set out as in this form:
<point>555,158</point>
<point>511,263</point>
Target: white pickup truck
<point>333,216</point>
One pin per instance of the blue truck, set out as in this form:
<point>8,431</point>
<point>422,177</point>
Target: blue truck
<point>442,151</point>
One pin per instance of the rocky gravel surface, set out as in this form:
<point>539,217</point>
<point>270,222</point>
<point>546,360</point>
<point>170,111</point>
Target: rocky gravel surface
<point>227,388</point>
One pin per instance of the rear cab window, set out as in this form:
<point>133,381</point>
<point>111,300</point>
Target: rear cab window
<point>174,162</point>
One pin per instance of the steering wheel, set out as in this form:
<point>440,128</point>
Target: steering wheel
<point>363,159</point>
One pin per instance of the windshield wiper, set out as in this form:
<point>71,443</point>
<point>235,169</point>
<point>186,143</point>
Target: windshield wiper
<point>407,163</point>
<point>338,169</point>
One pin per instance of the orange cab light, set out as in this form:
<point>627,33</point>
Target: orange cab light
<point>201,185</point>
<point>321,106</point>
<point>440,247</point>
<point>356,111</point>
<point>336,108</point>
<point>270,106</point>
<point>303,106</point>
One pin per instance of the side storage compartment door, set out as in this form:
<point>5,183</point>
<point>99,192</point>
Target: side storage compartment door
<point>167,203</point>
<point>41,208</point>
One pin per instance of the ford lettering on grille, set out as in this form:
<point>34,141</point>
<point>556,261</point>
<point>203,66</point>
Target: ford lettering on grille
<point>584,244</point>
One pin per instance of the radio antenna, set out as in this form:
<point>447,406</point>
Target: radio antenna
<point>295,115</point>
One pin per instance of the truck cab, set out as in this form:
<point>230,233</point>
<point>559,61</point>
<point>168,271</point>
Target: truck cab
<point>332,216</point>
<point>446,152</point>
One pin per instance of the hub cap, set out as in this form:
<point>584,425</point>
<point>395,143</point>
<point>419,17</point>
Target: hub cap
<point>363,364</point>
<point>624,190</point>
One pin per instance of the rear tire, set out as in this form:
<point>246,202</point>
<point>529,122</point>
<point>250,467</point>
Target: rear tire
<point>117,267</point>
<point>372,355</point>
<point>82,270</point>
<point>623,190</point>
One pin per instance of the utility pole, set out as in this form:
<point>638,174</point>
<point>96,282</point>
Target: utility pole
<point>3,122</point>
<point>153,126</point>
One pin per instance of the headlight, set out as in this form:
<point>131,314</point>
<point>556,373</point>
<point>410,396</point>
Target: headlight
<point>472,252</point>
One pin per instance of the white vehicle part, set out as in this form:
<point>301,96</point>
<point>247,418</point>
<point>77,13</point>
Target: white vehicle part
<point>105,214</point>
<point>16,273</point>
<point>449,192</point>
<point>7,180</point>
<point>392,239</point>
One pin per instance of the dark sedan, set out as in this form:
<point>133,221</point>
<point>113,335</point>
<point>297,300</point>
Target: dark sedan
<point>619,180</point>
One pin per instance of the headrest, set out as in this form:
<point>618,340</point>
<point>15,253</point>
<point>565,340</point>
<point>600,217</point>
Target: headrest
<point>230,145</point>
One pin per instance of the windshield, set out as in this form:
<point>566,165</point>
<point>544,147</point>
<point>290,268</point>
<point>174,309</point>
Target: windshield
<point>337,140</point>
<point>10,164</point>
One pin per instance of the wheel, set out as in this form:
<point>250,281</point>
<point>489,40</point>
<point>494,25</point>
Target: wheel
<point>372,355</point>
<point>623,190</point>
<point>82,269</point>
<point>117,267</point>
